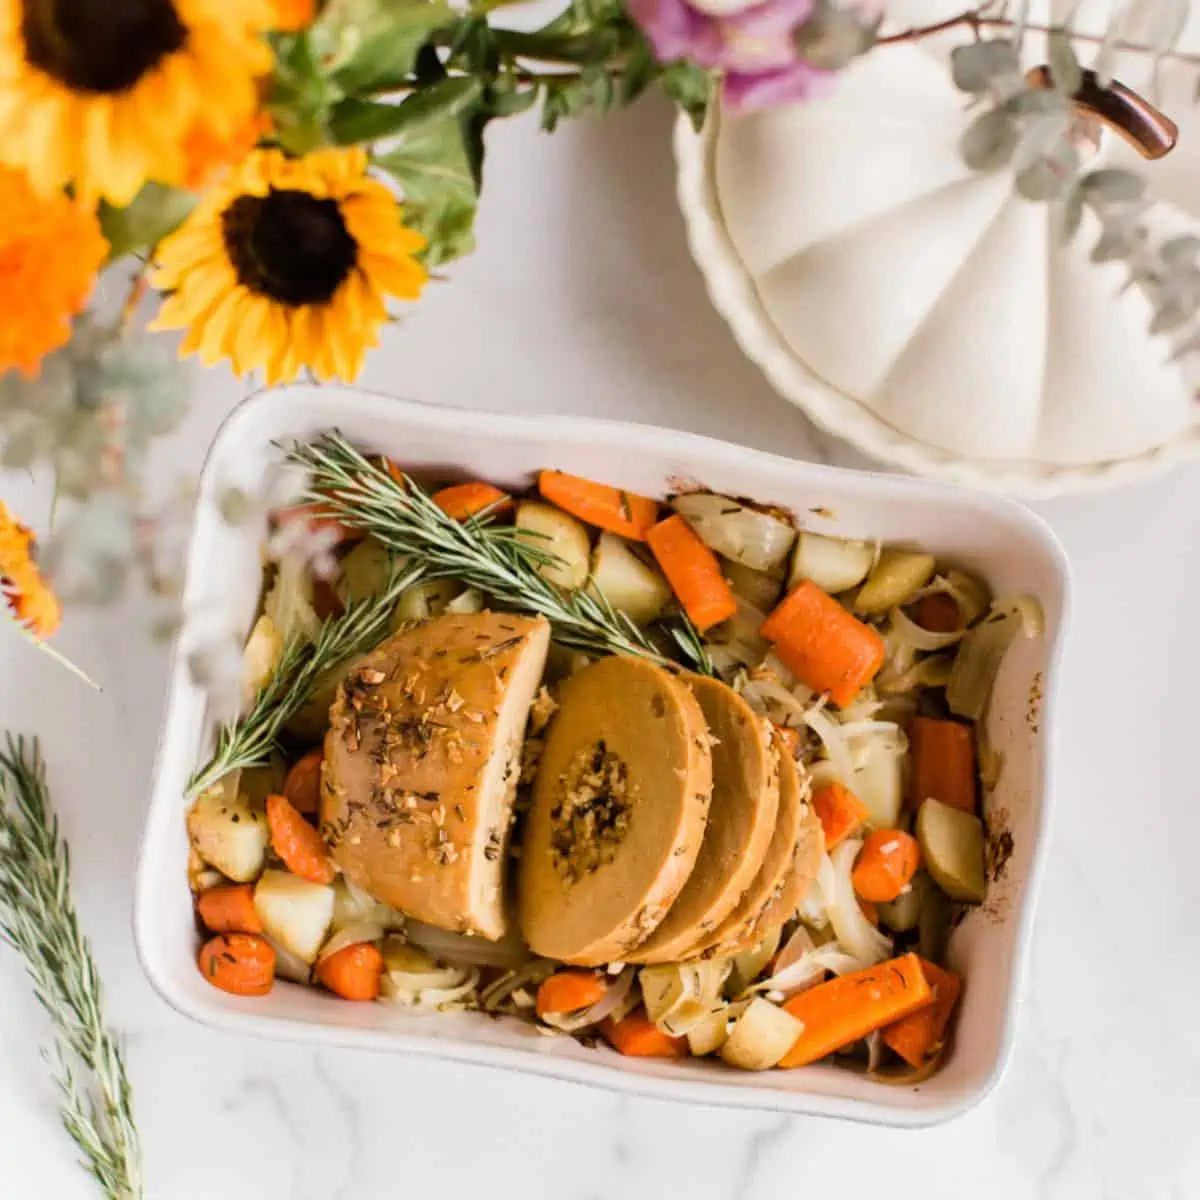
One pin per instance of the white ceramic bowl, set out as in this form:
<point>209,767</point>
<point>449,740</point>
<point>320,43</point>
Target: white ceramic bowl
<point>997,538</point>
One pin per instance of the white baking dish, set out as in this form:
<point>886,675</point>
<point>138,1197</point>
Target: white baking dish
<point>1002,541</point>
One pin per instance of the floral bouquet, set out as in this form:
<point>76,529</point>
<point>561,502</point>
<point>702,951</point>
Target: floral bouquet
<point>287,174</point>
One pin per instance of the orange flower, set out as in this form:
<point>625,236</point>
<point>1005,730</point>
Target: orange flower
<point>50,250</point>
<point>207,154</point>
<point>293,15</point>
<point>21,583</point>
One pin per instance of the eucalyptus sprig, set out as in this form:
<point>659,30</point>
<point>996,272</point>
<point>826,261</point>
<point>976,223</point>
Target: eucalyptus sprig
<point>38,919</point>
<point>249,740</point>
<point>399,513</point>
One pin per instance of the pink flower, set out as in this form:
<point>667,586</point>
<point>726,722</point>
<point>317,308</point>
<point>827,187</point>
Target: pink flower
<point>753,45</point>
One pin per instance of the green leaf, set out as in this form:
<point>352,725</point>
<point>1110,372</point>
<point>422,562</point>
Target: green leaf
<point>641,69</point>
<point>989,141</point>
<point>153,213</point>
<point>430,163</point>
<point>373,44</point>
<point>1040,181</point>
<point>354,121</point>
<point>691,88</point>
<point>1064,66</point>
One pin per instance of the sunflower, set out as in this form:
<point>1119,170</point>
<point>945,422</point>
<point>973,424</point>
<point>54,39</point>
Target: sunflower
<point>50,250</point>
<point>287,264</point>
<point>102,93</point>
<point>21,583</point>
<point>293,15</point>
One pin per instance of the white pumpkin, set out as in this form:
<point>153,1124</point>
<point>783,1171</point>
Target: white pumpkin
<point>923,310</point>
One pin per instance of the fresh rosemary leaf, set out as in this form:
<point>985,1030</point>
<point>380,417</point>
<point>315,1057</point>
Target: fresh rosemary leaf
<point>478,553</point>
<point>248,741</point>
<point>38,919</point>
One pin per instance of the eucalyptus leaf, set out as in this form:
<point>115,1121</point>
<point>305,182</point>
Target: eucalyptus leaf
<point>1180,251</point>
<point>1065,70</point>
<point>989,141</point>
<point>975,65</point>
<point>1040,181</point>
<point>1112,185</point>
<point>833,37</point>
<point>153,213</point>
<point>1030,102</point>
<point>1046,136</point>
<point>1171,313</point>
<point>1112,246</point>
<point>1072,213</point>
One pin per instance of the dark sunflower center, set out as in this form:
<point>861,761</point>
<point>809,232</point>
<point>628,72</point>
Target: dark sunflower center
<point>288,245</point>
<point>102,46</point>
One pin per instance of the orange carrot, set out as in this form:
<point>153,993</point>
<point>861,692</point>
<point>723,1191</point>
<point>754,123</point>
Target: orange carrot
<point>885,865</point>
<point>229,908</point>
<point>845,1009</point>
<point>790,738</point>
<point>942,763</point>
<point>693,572</point>
<point>598,504</point>
<point>394,469</point>
<point>303,784</point>
<point>241,963</point>
<point>919,1035</point>
<point>638,1037</point>
<point>828,648</point>
<point>938,613</point>
<point>354,972</point>
<point>297,842</point>
<point>318,518</point>
<point>869,910</point>
<point>569,991</point>
<point>840,812</point>
<point>465,500</point>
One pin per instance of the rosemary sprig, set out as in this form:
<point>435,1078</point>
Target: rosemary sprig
<point>38,919</point>
<point>248,741</point>
<point>400,514</point>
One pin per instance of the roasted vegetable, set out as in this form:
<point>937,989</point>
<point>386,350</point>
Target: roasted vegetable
<point>952,850</point>
<point>295,913</point>
<point>833,564</point>
<point>761,1036</point>
<point>630,585</point>
<point>894,580</point>
<point>556,532</point>
<point>228,832</point>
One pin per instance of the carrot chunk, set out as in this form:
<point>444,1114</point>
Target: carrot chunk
<point>842,1010</point>
<point>937,613</point>
<point>693,572</point>
<point>598,504</point>
<point>297,842</point>
<point>354,972</point>
<point>638,1037</point>
<point>942,763</point>
<point>921,1033</point>
<point>229,908</point>
<point>302,787</point>
<point>827,647</point>
<point>888,860</point>
<point>840,812</point>
<point>466,500</point>
<point>569,991</point>
<point>241,963</point>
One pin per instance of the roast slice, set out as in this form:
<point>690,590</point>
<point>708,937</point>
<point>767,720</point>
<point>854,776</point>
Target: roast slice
<point>741,819</point>
<point>618,811</point>
<point>422,760</point>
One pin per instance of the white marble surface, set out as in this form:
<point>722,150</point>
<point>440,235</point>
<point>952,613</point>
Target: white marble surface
<point>583,299</point>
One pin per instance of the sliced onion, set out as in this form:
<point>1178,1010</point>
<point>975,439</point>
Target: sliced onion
<point>288,965</point>
<point>289,602</point>
<point>852,929</point>
<point>969,593</point>
<point>740,636</point>
<point>879,781</point>
<point>504,988</point>
<point>743,534</point>
<point>911,633</point>
<point>810,968</point>
<point>977,664</point>
<point>933,671</point>
<point>836,747</point>
<point>774,696</point>
<point>351,935</point>
<point>510,952</point>
<point>685,993</point>
<point>1033,619</point>
<point>613,999</point>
